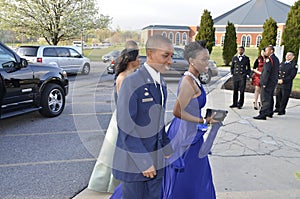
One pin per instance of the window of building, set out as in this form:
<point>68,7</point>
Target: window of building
<point>164,34</point>
<point>171,36</point>
<point>248,41</point>
<point>177,38</point>
<point>278,40</point>
<point>184,39</point>
<point>222,40</point>
<point>244,40</point>
<point>258,40</point>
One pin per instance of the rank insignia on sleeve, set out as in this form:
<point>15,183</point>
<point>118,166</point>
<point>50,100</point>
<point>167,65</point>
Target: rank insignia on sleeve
<point>296,66</point>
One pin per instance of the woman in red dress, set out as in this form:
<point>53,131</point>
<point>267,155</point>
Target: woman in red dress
<point>257,69</point>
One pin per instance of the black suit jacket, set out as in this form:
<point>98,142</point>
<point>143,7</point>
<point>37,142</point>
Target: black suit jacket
<point>287,72</point>
<point>269,75</point>
<point>240,68</point>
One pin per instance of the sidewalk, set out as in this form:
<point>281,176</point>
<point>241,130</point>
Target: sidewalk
<point>251,159</point>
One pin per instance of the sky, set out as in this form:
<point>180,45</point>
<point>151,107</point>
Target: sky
<point>137,14</point>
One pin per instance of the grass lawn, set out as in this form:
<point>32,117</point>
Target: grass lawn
<point>216,55</point>
<point>296,83</point>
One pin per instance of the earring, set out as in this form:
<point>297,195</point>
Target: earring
<point>192,64</point>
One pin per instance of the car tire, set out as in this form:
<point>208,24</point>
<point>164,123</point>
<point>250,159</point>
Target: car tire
<point>86,69</point>
<point>205,77</point>
<point>52,100</point>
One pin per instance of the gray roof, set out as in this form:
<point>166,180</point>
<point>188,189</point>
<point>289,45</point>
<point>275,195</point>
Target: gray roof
<point>164,27</point>
<point>255,12</point>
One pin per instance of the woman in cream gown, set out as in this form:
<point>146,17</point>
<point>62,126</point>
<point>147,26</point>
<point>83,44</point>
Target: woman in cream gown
<point>102,179</point>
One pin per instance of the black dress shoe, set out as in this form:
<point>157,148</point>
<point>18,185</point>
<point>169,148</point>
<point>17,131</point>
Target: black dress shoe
<point>233,106</point>
<point>270,116</point>
<point>260,117</point>
<point>281,113</point>
<point>276,111</point>
<point>239,107</point>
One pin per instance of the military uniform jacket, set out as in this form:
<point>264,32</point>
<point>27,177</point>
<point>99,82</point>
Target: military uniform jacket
<point>269,76</point>
<point>287,72</point>
<point>240,67</point>
<point>142,140</point>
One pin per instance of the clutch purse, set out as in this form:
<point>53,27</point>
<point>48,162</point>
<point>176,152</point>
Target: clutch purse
<point>219,114</point>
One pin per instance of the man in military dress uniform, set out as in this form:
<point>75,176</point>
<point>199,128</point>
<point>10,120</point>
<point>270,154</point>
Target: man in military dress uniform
<point>268,82</point>
<point>240,68</point>
<point>287,72</point>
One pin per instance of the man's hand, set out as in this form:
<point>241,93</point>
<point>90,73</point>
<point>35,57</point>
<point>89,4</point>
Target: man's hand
<point>280,81</point>
<point>150,173</point>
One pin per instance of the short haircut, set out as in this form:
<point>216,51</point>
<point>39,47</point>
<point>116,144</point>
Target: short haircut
<point>272,48</point>
<point>157,42</point>
<point>130,44</point>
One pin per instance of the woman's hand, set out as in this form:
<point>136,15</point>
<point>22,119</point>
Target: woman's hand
<point>210,120</point>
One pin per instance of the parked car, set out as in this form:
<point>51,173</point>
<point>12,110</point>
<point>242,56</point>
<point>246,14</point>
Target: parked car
<point>68,58</point>
<point>178,67</point>
<point>113,55</point>
<point>26,87</point>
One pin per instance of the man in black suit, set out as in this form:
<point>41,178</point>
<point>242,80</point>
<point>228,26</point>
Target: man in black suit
<point>240,68</point>
<point>268,82</point>
<point>287,72</point>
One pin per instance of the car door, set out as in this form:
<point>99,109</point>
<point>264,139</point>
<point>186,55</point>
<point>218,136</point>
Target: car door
<point>64,60</point>
<point>179,64</point>
<point>76,60</point>
<point>18,83</point>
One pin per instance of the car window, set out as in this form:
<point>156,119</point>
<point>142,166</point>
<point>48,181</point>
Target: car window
<point>178,53</point>
<point>5,56</point>
<point>74,53</point>
<point>63,52</point>
<point>30,51</point>
<point>49,52</point>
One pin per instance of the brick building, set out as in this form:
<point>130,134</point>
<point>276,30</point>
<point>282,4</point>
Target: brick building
<point>248,19</point>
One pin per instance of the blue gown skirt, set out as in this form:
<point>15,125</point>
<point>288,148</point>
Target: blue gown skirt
<point>194,181</point>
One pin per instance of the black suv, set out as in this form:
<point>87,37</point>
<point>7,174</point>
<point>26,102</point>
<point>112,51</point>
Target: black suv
<point>27,87</point>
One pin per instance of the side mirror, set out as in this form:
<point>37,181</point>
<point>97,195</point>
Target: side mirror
<point>24,63</point>
<point>10,66</point>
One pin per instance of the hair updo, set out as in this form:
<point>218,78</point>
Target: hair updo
<point>192,49</point>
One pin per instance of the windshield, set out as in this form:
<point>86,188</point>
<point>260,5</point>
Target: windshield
<point>28,51</point>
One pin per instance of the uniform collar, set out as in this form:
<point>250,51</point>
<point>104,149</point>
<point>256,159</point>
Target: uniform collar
<point>153,73</point>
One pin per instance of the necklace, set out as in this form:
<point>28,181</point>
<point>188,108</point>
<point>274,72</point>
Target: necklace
<point>193,76</point>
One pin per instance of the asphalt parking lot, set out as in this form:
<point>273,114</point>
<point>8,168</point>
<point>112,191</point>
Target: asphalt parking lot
<point>54,157</point>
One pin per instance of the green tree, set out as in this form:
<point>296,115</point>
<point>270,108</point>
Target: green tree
<point>230,46</point>
<point>269,34</point>
<point>291,34</point>
<point>207,30</point>
<point>54,20</point>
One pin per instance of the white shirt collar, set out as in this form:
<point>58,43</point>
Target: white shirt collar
<point>153,73</point>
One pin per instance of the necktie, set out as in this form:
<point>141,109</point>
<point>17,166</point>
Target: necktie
<point>159,92</point>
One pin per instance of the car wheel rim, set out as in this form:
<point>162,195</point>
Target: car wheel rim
<point>55,100</point>
<point>85,69</point>
<point>204,77</point>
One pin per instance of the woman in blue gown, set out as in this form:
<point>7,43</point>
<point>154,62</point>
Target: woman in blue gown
<point>187,175</point>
